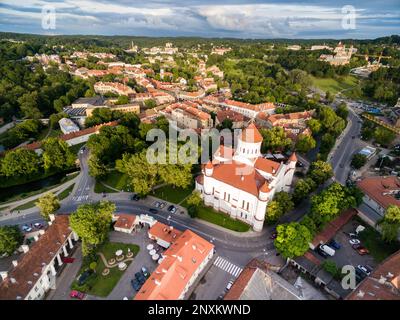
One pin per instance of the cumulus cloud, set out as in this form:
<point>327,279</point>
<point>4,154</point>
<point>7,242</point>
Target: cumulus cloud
<point>203,18</point>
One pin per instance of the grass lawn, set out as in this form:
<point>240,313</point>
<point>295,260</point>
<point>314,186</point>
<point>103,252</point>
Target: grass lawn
<point>25,206</point>
<point>65,193</point>
<point>221,219</point>
<point>100,285</point>
<point>333,85</point>
<point>379,249</point>
<point>115,180</point>
<point>100,188</point>
<point>170,194</point>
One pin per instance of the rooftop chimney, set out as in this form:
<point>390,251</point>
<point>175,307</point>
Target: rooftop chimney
<point>15,263</point>
<point>25,248</point>
<point>52,217</point>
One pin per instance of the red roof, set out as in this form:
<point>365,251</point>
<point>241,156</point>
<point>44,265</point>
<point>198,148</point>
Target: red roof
<point>381,189</point>
<point>251,134</point>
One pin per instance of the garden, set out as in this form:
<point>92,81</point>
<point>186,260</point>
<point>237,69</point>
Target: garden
<point>101,270</point>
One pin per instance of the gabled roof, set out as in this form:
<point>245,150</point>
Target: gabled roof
<point>251,134</point>
<point>30,265</point>
<point>381,189</point>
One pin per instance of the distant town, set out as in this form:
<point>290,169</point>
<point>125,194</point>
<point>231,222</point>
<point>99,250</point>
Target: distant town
<point>298,199</point>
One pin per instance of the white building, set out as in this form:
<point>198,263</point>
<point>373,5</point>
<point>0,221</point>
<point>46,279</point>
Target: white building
<point>35,272</point>
<point>67,126</point>
<point>241,183</point>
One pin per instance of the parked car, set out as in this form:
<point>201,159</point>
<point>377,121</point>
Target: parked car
<point>360,249</point>
<point>157,204</point>
<point>38,225</point>
<point>229,285</point>
<point>135,197</point>
<point>83,277</point>
<point>77,295</point>
<point>334,244</point>
<point>354,241</point>
<point>363,269</point>
<point>154,211</point>
<point>135,284</point>
<point>321,252</point>
<point>360,274</point>
<point>327,249</point>
<point>162,205</point>
<point>172,209</point>
<point>140,277</point>
<point>145,272</point>
<point>26,228</point>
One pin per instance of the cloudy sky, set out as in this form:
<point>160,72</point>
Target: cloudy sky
<point>206,18</point>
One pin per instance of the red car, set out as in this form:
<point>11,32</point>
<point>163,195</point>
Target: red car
<point>360,249</point>
<point>77,295</point>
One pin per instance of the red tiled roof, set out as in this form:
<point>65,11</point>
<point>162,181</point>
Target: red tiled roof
<point>251,134</point>
<point>382,284</point>
<point>182,259</point>
<point>125,221</point>
<point>41,251</point>
<point>381,189</point>
<point>162,231</point>
<point>267,165</point>
<point>240,176</point>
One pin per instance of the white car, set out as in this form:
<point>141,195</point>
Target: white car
<point>354,241</point>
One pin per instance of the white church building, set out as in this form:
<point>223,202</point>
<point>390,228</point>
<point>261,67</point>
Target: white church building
<point>241,182</point>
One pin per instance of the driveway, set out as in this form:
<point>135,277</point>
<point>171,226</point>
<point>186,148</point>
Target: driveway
<point>67,276</point>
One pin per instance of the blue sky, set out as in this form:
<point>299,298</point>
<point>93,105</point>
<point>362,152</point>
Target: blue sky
<point>206,18</point>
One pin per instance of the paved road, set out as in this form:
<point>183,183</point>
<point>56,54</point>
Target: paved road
<point>349,144</point>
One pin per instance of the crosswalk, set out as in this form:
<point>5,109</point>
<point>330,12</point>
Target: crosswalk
<point>228,266</point>
<point>80,198</point>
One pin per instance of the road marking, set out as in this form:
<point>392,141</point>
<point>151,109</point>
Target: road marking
<point>228,266</point>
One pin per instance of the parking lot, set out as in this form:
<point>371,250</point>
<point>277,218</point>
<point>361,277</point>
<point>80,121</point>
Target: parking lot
<point>347,255</point>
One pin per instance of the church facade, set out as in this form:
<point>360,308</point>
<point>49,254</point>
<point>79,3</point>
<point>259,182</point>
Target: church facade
<point>241,182</point>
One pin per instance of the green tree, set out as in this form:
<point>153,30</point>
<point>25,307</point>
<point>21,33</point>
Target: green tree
<point>57,154</point>
<point>390,224</point>
<point>293,239</point>
<point>303,188</point>
<point>331,267</point>
<point>10,239</point>
<point>194,199</point>
<point>48,204</point>
<point>142,174</point>
<point>320,171</point>
<point>150,103</point>
<point>20,162</point>
<point>305,143</point>
<point>383,136</point>
<point>314,125</point>
<point>96,168</point>
<point>91,222</point>
<point>358,160</point>
<point>275,139</point>
<point>342,111</point>
<point>122,100</point>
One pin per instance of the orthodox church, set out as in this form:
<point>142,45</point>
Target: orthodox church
<point>241,182</point>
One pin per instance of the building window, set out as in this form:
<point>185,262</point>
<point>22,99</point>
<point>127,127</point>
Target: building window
<point>248,204</point>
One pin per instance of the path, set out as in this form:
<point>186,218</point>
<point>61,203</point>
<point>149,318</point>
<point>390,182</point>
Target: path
<point>103,258</point>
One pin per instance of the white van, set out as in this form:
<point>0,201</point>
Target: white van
<point>328,250</point>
